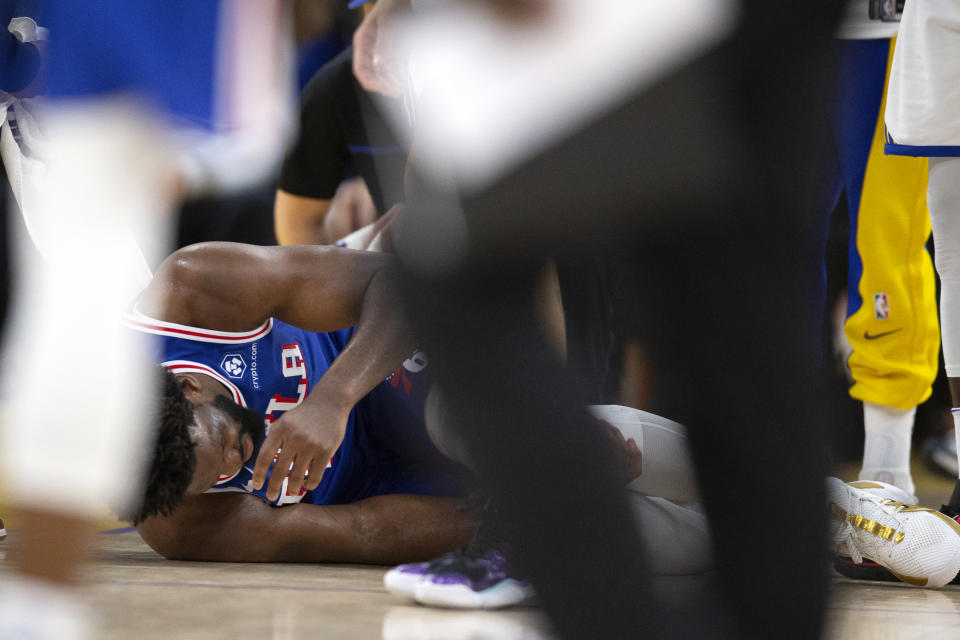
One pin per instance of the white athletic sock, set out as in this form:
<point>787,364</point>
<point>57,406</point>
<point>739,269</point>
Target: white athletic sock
<point>886,445</point>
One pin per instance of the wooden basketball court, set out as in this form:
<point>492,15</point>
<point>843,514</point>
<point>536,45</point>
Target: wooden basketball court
<point>139,595</point>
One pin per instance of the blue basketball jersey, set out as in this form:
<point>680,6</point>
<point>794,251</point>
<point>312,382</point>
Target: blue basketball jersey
<point>272,368</point>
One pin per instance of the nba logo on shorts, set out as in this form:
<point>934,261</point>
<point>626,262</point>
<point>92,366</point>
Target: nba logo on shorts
<point>881,306</point>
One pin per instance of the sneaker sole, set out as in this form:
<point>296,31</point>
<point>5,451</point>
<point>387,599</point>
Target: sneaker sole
<point>457,596</point>
<point>869,570</point>
<point>400,584</point>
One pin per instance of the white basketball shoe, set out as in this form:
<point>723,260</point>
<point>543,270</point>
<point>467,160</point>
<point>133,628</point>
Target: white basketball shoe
<point>920,546</point>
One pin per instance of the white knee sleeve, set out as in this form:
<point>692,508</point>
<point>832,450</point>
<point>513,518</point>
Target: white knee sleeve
<point>437,420</point>
<point>667,469</point>
<point>676,537</point>
<point>943,199</point>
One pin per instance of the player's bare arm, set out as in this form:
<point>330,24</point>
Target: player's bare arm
<point>298,219</point>
<point>232,287</point>
<point>387,529</point>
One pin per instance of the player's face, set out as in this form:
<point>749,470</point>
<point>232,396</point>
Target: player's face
<point>225,438</point>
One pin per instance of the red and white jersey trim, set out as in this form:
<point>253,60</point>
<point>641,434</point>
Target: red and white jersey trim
<point>224,478</point>
<point>140,322</point>
<point>186,366</point>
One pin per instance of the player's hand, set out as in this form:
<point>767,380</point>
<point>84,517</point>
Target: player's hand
<point>376,63</point>
<point>382,232</point>
<point>352,208</point>
<point>306,436</point>
<point>627,455</point>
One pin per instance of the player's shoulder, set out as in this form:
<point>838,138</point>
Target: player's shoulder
<point>190,272</point>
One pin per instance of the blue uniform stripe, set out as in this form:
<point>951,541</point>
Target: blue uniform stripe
<point>862,78</point>
<point>930,151</point>
<point>360,149</point>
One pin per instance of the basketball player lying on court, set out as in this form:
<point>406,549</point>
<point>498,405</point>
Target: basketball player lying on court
<point>307,342</point>
<point>298,354</point>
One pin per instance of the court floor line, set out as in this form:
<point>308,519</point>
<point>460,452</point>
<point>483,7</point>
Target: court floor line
<point>114,532</point>
<point>243,587</point>
<point>899,612</point>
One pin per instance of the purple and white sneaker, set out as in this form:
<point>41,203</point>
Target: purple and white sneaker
<point>469,580</point>
<point>402,580</point>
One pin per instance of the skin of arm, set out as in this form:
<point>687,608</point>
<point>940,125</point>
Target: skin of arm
<point>299,220</point>
<point>550,309</point>
<point>235,527</point>
<point>232,287</point>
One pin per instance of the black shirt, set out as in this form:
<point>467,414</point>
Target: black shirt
<point>342,134</point>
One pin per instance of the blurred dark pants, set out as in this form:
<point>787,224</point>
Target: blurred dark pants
<point>704,180</point>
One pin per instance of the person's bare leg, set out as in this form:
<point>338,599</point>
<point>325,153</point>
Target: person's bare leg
<point>49,545</point>
<point>46,551</point>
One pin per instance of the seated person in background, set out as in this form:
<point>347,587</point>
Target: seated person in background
<point>345,167</point>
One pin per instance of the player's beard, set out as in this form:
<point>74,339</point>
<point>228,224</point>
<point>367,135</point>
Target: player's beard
<point>251,423</point>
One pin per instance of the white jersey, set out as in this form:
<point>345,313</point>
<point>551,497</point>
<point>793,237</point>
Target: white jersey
<point>857,25</point>
<point>923,100</point>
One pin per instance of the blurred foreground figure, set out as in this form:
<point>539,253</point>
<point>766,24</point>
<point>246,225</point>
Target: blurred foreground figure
<point>676,134</point>
<point>125,129</point>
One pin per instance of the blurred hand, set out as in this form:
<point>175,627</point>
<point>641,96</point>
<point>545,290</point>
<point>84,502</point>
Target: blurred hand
<point>383,229</point>
<point>627,455</point>
<point>352,208</point>
<point>376,63</point>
